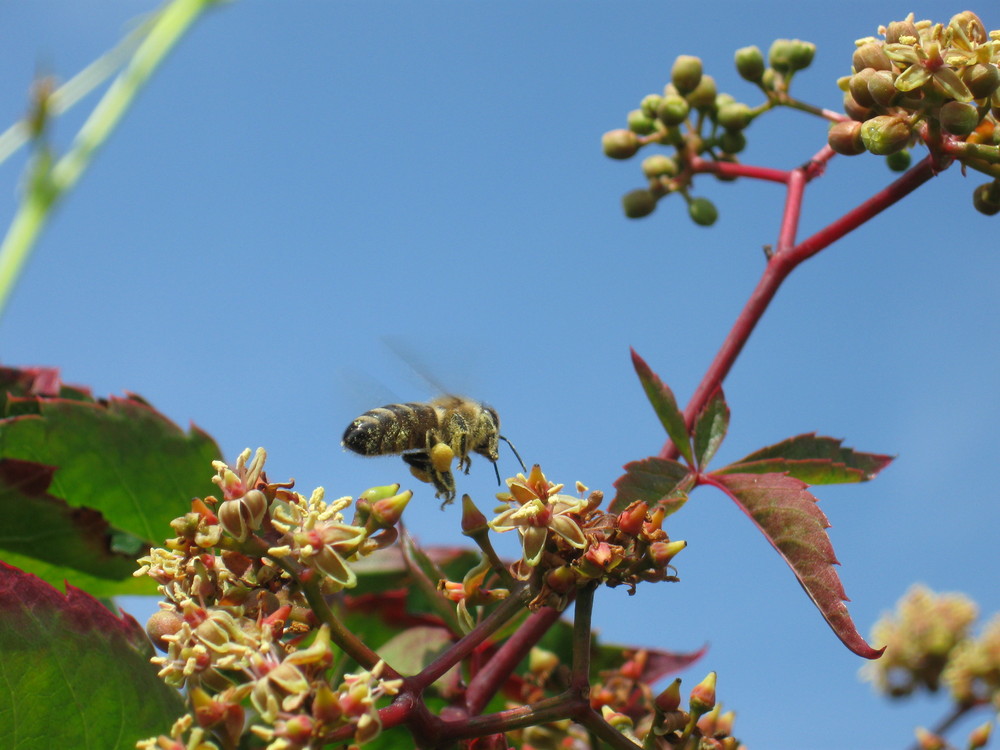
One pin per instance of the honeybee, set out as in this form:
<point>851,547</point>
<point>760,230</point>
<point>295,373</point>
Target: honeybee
<point>429,436</point>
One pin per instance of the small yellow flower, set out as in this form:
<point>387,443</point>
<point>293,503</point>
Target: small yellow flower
<point>536,508</point>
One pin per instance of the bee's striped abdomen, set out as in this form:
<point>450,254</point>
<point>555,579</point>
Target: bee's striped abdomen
<point>393,428</point>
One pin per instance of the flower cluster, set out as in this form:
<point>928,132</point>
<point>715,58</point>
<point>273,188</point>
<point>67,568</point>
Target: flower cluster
<point>919,639</point>
<point>698,123</point>
<point>638,715</point>
<point>240,630</point>
<point>569,542</point>
<point>936,83</point>
<point>973,671</point>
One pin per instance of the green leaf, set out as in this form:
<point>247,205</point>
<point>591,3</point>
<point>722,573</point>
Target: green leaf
<point>86,486</point>
<point>787,514</point>
<point>413,649</point>
<point>665,405</point>
<point>710,428</point>
<point>813,459</point>
<point>657,481</point>
<point>56,542</point>
<point>73,674</point>
<point>121,458</point>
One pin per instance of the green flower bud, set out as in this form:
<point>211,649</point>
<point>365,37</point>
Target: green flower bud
<point>899,161</point>
<point>703,96</point>
<point>641,123</point>
<point>673,110</point>
<point>882,88</point>
<point>788,55</point>
<point>735,116</point>
<point>982,79</point>
<point>703,212</point>
<point>958,118</point>
<point>854,110</point>
<point>768,80</point>
<point>659,165</point>
<point>721,100</point>
<point>638,203</point>
<point>845,138</point>
<point>750,63</point>
<point>885,134</point>
<point>686,73</point>
<point>870,55</point>
<point>986,198</point>
<point>858,86</point>
<point>898,29</point>
<point>620,144</point>
<point>650,103</point>
<point>732,141</point>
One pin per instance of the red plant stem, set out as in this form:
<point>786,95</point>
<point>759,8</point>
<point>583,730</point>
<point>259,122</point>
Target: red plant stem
<point>495,672</point>
<point>780,265</point>
<point>493,622</point>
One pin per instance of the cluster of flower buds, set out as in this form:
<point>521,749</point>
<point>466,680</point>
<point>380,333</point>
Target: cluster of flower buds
<point>696,121</point>
<point>702,726</point>
<point>237,624</point>
<point>973,671</point>
<point>933,83</point>
<point>920,638</point>
<point>569,542</point>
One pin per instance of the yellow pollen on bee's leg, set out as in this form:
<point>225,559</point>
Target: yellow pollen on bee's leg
<point>423,476</point>
<point>441,457</point>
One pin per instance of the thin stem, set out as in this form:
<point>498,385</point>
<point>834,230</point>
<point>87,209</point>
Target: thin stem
<point>493,622</point>
<point>779,266</point>
<point>63,98</point>
<point>594,722</point>
<point>47,189</point>
<point>495,672</point>
<point>557,708</point>
<point>949,720</point>
<point>581,637</point>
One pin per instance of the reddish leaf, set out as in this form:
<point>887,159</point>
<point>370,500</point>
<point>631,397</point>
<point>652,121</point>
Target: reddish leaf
<point>665,405</point>
<point>74,675</point>
<point>813,459</point>
<point>788,516</point>
<point>710,428</point>
<point>657,481</point>
<point>660,664</point>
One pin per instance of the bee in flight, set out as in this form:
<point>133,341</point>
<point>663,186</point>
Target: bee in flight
<point>429,436</point>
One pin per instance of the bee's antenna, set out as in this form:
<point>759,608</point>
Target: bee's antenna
<point>516,455</point>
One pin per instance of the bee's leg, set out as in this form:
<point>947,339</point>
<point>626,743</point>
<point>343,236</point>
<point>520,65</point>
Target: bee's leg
<point>444,482</point>
<point>458,428</point>
<point>422,467</point>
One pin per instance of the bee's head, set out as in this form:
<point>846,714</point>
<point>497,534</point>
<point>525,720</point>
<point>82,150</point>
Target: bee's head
<point>488,433</point>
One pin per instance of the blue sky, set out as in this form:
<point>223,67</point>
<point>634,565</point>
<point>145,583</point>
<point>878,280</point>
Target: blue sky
<point>303,179</point>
